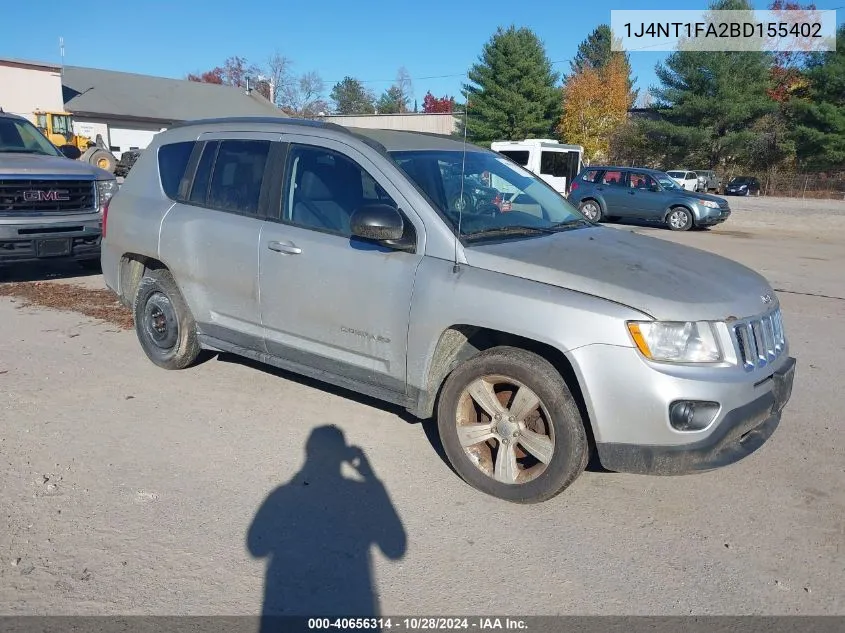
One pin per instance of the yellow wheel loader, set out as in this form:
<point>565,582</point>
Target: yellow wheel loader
<point>58,128</point>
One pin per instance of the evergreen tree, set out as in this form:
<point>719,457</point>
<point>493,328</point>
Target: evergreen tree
<point>820,114</point>
<point>350,97</point>
<point>392,101</point>
<point>512,92</point>
<point>710,101</point>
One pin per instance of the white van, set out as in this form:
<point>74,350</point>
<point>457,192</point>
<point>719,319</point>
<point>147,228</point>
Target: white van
<point>554,162</point>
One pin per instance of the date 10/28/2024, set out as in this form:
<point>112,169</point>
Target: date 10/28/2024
<point>419,624</point>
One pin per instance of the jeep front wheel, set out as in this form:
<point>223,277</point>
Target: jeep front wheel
<point>510,426</point>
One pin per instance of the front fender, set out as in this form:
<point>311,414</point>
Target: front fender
<point>473,297</point>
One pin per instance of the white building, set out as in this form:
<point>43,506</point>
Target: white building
<point>26,86</point>
<point>126,109</point>
<point>433,123</point>
<point>129,109</point>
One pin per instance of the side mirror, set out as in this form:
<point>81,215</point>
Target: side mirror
<point>70,151</point>
<point>654,187</point>
<point>377,222</point>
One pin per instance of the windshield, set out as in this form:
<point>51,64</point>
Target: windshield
<point>22,137</point>
<point>739,181</point>
<point>666,181</point>
<point>498,199</point>
<point>676,174</point>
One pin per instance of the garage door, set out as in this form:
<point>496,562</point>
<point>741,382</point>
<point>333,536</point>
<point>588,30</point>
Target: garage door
<point>123,139</point>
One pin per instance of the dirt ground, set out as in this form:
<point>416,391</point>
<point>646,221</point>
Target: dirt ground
<point>127,489</point>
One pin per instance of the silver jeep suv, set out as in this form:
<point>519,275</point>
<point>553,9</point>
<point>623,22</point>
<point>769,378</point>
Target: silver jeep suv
<point>50,205</point>
<point>533,335</point>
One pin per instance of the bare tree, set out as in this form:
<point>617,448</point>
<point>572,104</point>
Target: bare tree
<point>404,87</point>
<point>278,77</point>
<point>304,96</point>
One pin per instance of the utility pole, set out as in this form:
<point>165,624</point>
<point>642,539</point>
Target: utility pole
<point>62,56</point>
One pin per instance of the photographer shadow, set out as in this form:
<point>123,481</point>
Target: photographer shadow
<point>316,532</point>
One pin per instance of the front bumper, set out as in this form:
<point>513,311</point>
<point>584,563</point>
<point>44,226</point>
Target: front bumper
<point>709,217</point>
<point>628,401</point>
<point>57,238</point>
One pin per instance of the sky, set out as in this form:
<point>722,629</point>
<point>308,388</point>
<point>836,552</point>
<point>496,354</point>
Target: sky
<point>437,41</point>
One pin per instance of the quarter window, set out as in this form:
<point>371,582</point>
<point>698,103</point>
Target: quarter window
<point>172,161</point>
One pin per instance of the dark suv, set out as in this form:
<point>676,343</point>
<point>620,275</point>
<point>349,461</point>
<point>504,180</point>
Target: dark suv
<point>743,186</point>
<point>610,193</point>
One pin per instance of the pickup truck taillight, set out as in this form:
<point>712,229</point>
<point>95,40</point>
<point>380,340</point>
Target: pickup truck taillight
<point>105,217</point>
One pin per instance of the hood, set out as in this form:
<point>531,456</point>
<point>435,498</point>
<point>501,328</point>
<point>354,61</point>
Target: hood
<point>665,280</point>
<point>13,164</point>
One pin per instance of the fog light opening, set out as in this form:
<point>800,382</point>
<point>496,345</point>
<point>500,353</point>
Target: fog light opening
<point>692,415</point>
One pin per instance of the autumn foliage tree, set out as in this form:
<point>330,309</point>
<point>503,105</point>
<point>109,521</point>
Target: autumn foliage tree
<point>432,104</point>
<point>233,72</point>
<point>595,104</point>
<point>786,72</point>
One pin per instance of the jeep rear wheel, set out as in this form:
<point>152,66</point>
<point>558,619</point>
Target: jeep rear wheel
<point>163,323</point>
<point>510,426</point>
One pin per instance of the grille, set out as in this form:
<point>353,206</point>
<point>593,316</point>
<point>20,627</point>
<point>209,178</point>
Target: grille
<point>46,196</point>
<point>760,340</point>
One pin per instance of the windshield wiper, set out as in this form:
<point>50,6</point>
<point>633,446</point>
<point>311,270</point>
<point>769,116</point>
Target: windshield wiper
<point>506,230</point>
<point>569,224</point>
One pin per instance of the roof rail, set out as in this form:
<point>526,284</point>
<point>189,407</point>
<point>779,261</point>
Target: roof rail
<point>283,120</point>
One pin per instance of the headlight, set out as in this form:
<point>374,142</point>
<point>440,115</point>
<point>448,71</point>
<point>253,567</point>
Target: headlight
<point>105,190</point>
<point>710,204</point>
<point>676,342</point>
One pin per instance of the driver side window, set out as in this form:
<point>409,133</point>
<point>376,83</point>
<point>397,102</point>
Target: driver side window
<point>641,181</point>
<point>324,188</point>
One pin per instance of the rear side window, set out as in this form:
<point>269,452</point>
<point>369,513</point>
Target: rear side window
<point>519,157</point>
<point>172,162</point>
<point>238,175</point>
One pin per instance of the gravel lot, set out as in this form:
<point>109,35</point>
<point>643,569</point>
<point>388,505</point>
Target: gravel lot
<point>127,489</point>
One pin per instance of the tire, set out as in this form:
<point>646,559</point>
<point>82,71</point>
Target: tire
<point>461,204</point>
<point>90,264</point>
<point>557,429</point>
<point>591,210</point>
<point>680,219</point>
<point>103,159</point>
<point>163,323</point>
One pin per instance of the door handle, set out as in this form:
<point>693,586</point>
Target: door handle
<point>288,249</point>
